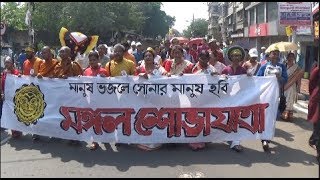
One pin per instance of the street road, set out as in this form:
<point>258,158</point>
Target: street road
<point>290,157</point>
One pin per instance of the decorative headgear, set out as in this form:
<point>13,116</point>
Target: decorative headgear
<point>29,49</point>
<point>149,49</point>
<point>236,50</point>
<point>77,42</point>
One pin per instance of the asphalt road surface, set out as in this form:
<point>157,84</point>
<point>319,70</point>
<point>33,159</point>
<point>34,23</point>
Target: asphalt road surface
<point>290,157</point>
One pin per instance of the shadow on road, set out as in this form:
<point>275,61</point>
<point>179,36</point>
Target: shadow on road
<point>126,156</point>
<point>283,134</point>
<point>300,120</point>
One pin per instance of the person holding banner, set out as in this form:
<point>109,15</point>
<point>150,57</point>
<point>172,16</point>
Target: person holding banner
<point>202,67</point>
<point>46,68</point>
<point>31,66</point>
<point>94,70</point>
<point>66,67</point>
<point>236,54</point>
<point>9,69</point>
<point>119,65</point>
<point>149,68</point>
<point>178,65</point>
<point>271,68</point>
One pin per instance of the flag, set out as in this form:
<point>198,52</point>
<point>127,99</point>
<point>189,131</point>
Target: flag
<point>288,31</point>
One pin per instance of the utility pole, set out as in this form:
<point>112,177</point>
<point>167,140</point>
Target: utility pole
<point>294,34</point>
<point>29,23</point>
<point>223,30</point>
<point>192,24</point>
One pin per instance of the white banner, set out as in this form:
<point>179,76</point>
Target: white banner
<point>190,108</point>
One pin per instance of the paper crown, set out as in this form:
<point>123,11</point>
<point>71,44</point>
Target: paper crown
<point>77,42</point>
<point>236,50</point>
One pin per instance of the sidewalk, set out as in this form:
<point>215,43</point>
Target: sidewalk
<point>302,104</point>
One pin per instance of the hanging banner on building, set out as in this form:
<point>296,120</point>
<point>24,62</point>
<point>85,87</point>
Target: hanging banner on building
<point>315,7</point>
<point>295,13</point>
<point>190,108</point>
<point>304,30</point>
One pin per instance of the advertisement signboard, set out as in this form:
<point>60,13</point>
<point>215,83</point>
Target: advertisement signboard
<point>258,30</point>
<point>295,13</point>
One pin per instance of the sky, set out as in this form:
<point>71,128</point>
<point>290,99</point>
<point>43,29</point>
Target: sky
<point>183,12</point>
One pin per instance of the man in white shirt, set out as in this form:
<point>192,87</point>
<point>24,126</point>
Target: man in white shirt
<point>262,54</point>
<point>133,48</point>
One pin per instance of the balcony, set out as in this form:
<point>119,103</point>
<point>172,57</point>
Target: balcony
<point>239,7</point>
<point>239,25</point>
<point>214,15</point>
<point>212,26</point>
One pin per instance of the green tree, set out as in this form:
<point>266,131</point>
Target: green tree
<point>157,21</point>
<point>197,28</point>
<point>13,14</point>
<point>90,18</point>
<point>47,16</point>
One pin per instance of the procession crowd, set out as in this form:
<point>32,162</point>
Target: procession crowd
<point>172,58</point>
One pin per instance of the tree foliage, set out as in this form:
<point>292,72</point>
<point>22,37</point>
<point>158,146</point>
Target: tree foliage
<point>13,14</point>
<point>91,18</point>
<point>157,22</point>
<point>197,28</point>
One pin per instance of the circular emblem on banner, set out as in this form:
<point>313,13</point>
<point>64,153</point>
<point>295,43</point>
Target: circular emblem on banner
<point>3,28</point>
<point>29,104</point>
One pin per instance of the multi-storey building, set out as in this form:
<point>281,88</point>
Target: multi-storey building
<point>256,24</point>
<point>222,22</point>
<point>236,22</point>
<point>213,25</point>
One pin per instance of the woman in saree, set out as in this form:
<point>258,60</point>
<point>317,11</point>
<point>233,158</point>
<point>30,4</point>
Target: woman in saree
<point>149,67</point>
<point>202,67</point>
<point>291,87</point>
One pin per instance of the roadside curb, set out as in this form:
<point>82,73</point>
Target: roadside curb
<point>299,108</point>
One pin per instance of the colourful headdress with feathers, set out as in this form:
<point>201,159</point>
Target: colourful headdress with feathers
<point>77,42</point>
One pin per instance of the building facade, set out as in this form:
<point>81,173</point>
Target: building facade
<point>214,11</point>
<point>256,24</point>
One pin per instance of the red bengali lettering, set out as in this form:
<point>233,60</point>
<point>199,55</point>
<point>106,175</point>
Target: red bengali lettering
<point>192,117</point>
<point>192,121</point>
<point>236,118</point>
<point>218,124</point>
<point>86,118</point>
